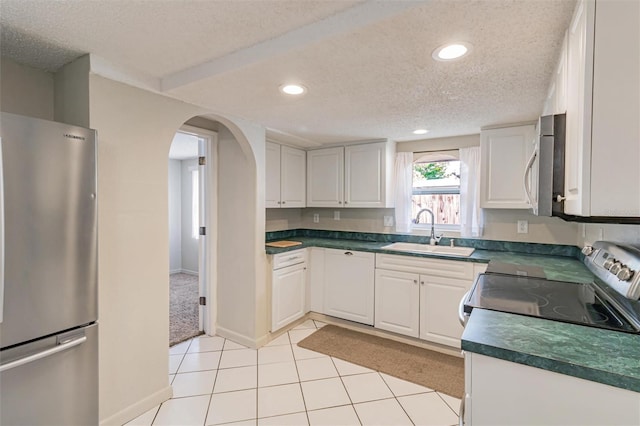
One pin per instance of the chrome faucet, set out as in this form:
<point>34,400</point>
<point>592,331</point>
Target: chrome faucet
<point>433,240</point>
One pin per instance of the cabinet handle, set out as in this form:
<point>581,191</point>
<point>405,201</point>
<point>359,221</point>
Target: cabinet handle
<point>346,202</point>
<point>415,281</point>
<point>348,253</point>
<point>279,202</point>
<point>283,202</point>
<point>422,282</point>
<point>339,202</point>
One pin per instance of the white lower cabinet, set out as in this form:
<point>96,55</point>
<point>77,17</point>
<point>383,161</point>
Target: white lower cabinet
<point>419,297</point>
<point>500,392</point>
<point>439,300</point>
<point>397,302</point>
<point>288,295</point>
<point>349,285</point>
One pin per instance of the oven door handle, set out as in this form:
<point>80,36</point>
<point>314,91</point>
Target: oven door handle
<point>462,317</point>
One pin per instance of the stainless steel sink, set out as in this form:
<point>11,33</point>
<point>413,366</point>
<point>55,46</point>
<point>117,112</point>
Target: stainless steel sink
<point>426,248</point>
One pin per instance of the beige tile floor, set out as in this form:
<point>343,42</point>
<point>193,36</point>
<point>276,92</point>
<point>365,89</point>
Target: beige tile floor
<point>218,382</point>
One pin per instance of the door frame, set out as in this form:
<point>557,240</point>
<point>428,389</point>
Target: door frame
<point>207,259</point>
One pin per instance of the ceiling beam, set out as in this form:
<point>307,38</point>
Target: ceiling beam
<point>356,17</point>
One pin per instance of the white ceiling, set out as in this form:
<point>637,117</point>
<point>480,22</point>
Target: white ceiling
<point>367,64</point>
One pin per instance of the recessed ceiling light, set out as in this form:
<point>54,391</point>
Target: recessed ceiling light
<point>293,89</point>
<point>420,132</point>
<point>449,52</point>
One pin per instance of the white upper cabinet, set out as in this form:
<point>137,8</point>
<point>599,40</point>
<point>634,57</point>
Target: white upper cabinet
<point>325,177</point>
<point>504,156</point>
<point>603,106</point>
<point>286,174</point>
<point>273,175</point>
<point>556,102</point>
<point>351,176</point>
<point>293,163</point>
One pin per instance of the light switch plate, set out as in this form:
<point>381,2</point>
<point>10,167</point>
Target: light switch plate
<point>316,217</point>
<point>336,215</point>
<point>523,227</point>
<point>388,221</point>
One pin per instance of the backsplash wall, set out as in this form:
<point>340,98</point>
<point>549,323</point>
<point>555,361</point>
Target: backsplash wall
<point>499,224</point>
<point>590,232</point>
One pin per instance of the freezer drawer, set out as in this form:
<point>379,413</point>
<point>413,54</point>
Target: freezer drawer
<point>55,388</point>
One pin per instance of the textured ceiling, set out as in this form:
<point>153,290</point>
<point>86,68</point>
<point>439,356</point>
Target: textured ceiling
<point>367,65</point>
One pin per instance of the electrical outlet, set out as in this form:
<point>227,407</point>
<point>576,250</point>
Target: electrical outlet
<point>523,227</point>
<point>316,217</point>
<point>388,221</point>
<point>336,215</point>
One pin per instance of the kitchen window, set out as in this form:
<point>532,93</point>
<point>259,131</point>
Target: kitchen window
<point>436,186</point>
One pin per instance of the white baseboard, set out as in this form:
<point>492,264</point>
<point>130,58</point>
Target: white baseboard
<point>236,337</point>
<point>139,408</point>
<point>174,271</point>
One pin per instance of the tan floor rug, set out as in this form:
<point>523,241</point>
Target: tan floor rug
<point>440,372</point>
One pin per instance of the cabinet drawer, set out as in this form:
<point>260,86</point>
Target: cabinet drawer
<point>418,265</point>
<point>289,258</point>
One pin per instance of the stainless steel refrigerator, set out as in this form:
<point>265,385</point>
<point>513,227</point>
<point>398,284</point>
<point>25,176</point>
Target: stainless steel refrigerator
<point>48,273</point>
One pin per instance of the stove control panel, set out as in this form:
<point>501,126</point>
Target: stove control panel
<point>616,265</point>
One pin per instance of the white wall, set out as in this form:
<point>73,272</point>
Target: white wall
<point>71,100</point>
<point>25,90</point>
<point>135,130</point>
<point>189,251</point>
<point>590,232</point>
<point>175,216</point>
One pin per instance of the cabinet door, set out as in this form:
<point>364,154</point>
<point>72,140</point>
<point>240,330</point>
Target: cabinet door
<point>579,102</point>
<point>325,177</point>
<point>273,175</point>
<point>349,285</point>
<point>293,191</point>
<point>397,302</point>
<point>560,83</point>
<point>365,175</point>
<point>504,156</point>
<point>315,297</point>
<point>439,300</point>
<point>615,135</point>
<point>506,393</point>
<point>288,295</point>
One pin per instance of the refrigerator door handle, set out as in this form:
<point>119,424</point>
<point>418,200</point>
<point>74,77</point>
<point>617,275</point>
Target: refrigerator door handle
<point>1,235</point>
<point>46,353</point>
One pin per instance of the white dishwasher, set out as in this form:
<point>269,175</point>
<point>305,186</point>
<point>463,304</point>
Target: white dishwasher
<point>288,288</point>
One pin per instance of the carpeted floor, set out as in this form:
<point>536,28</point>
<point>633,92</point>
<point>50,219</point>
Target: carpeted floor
<point>440,372</point>
<point>183,308</point>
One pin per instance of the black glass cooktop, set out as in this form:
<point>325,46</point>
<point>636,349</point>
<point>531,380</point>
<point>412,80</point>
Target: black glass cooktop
<point>539,297</point>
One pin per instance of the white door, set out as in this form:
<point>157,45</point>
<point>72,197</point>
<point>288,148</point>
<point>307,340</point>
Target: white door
<point>288,295</point>
<point>272,198</point>
<point>439,300</point>
<point>504,155</point>
<point>397,299</point>
<point>579,102</point>
<point>364,175</point>
<point>325,177</point>
<point>293,165</point>
<point>349,285</point>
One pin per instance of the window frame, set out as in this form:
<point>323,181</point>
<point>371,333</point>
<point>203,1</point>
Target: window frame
<point>434,157</point>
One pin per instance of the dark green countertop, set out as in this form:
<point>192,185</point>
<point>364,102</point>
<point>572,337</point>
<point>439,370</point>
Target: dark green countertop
<point>560,268</point>
<point>602,356</point>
